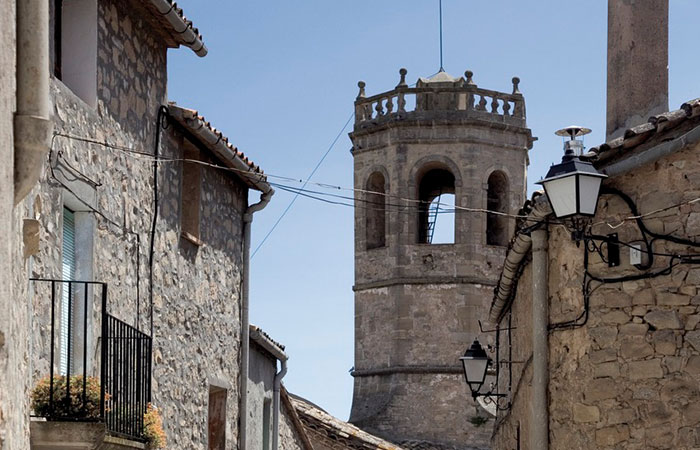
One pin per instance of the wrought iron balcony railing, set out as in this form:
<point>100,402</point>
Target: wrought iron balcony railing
<point>114,385</point>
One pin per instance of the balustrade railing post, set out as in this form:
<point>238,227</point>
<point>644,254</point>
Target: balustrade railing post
<point>402,102</point>
<point>379,108</point>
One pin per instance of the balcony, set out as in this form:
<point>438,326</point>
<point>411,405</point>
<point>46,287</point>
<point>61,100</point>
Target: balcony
<point>96,377</point>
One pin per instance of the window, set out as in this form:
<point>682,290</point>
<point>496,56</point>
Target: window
<point>217,418</point>
<point>191,194</point>
<point>68,263</point>
<point>375,211</point>
<point>75,47</point>
<point>436,212</point>
<point>497,200</point>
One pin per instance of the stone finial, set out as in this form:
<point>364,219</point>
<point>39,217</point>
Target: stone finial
<point>361,85</point>
<point>469,74</point>
<point>516,85</point>
<point>402,82</point>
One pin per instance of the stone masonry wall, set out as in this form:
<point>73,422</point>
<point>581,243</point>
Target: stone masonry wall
<point>630,377</point>
<point>197,302</point>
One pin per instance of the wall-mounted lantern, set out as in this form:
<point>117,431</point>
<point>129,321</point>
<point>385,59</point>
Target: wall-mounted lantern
<point>572,186</point>
<point>475,362</point>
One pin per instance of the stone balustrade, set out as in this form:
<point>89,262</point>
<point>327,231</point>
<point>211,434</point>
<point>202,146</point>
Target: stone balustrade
<point>428,99</point>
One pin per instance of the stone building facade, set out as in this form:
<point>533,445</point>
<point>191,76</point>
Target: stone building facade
<point>627,373</point>
<point>417,303</point>
<point>599,339</point>
<point>169,249</point>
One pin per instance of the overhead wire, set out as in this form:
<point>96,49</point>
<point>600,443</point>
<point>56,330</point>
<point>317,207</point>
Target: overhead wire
<point>413,203</point>
<point>417,203</point>
<point>296,196</point>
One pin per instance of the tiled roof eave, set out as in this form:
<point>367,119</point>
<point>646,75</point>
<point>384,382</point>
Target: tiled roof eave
<point>174,22</point>
<point>657,129</point>
<point>219,144</point>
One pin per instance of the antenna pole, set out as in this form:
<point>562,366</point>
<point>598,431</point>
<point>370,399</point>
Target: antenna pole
<point>441,66</point>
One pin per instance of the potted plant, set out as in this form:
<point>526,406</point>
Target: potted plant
<point>72,406</point>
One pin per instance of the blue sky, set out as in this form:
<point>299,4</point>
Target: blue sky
<point>280,80</point>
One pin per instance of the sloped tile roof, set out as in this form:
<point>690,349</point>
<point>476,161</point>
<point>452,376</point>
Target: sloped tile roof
<point>194,122</point>
<point>319,422</point>
<point>657,129</point>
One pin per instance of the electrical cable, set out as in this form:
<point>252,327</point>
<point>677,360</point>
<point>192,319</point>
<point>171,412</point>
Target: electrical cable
<point>129,150</point>
<point>590,246</point>
<point>420,203</point>
<point>296,196</point>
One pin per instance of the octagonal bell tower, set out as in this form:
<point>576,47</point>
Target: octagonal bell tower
<point>444,150</point>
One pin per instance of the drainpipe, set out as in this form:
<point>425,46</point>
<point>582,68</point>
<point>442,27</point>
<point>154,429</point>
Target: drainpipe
<point>245,322</point>
<point>32,123</point>
<point>539,434</point>
<point>276,404</point>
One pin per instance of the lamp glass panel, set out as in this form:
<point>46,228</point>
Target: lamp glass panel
<point>588,192</point>
<point>475,371</point>
<point>562,195</point>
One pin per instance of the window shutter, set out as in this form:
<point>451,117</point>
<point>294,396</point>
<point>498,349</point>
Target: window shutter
<point>68,269</point>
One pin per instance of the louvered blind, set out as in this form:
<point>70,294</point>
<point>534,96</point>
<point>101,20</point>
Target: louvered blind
<point>68,259</point>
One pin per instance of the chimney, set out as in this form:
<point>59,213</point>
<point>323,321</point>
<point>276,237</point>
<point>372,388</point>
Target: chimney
<point>637,63</point>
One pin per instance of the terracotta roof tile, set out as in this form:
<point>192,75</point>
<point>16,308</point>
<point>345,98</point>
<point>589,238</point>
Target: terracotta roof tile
<point>178,27</point>
<point>267,336</point>
<point>316,420</point>
<point>654,130</point>
<point>692,108</point>
<point>192,120</point>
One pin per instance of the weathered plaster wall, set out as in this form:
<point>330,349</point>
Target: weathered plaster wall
<point>417,305</point>
<point>629,378</point>
<point>14,318</point>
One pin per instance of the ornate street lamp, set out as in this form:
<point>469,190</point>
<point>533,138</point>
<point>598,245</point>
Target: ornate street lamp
<point>476,363</point>
<point>572,186</point>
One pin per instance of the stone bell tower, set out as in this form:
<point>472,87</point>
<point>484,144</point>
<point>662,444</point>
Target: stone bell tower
<point>417,303</point>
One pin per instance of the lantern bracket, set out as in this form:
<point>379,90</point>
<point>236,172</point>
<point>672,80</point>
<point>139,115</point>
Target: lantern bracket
<point>481,328</point>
